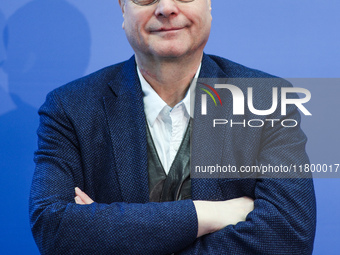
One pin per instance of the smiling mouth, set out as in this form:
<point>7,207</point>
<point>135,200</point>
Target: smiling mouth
<point>167,29</point>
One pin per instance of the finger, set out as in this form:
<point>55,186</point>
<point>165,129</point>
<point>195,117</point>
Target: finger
<point>84,197</point>
<point>250,203</point>
<point>79,201</point>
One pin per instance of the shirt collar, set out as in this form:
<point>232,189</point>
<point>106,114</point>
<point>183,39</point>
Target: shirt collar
<point>154,104</point>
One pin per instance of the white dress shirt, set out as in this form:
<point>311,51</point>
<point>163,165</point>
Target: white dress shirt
<point>167,125</point>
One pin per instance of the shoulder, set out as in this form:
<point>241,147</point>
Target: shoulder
<point>91,89</point>
<point>225,71</point>
<point>236,70</point>
<point>88,92</point>
<point>243,76</point>
<point>94,84</point>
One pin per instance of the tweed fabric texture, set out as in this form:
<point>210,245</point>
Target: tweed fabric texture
<point>283,221</point>
<point>92,135</point>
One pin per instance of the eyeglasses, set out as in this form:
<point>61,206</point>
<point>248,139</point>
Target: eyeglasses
<point>151,2</point>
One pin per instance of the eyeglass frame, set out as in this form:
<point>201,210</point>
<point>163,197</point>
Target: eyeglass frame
<point>155,1</point>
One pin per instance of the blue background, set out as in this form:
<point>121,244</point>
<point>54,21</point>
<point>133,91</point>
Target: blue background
<point>46,43</point>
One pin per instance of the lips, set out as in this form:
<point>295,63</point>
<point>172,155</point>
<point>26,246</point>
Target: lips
<point>165,29</point>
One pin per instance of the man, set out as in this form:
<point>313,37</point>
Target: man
<point>120,137</point>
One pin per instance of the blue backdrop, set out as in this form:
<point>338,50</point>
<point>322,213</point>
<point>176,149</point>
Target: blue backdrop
<point>46,43</point>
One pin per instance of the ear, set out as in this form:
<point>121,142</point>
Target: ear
<point>122,7</point>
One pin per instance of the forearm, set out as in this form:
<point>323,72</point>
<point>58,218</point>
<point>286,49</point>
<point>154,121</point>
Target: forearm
<point>118,228</point>
<point>212,216</point>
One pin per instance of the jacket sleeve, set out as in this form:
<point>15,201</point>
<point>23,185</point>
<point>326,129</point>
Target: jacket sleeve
<point>60,226</point>
<point>283,222</point>
<point>284,218</point>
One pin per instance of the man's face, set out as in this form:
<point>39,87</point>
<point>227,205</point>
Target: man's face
<point>168,28</point>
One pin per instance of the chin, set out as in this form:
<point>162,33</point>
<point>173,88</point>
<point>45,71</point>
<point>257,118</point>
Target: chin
<point>171,52</point>
<point>171,55</point>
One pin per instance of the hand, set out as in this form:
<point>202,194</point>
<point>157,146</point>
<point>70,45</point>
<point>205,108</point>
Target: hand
<point>82,198</point>
<point>213,216</point>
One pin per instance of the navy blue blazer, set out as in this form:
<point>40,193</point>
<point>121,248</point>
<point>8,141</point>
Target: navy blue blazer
<point>92,134</point>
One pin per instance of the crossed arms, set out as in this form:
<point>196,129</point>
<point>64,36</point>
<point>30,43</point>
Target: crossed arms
<point>282,222</point>
<point>211,216</point>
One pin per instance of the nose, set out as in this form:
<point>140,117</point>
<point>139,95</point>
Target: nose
<point>166,8</point>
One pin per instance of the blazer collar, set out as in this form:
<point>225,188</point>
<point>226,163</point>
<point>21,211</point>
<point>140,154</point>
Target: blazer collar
<point>210,69</point>
<point>126,79</point>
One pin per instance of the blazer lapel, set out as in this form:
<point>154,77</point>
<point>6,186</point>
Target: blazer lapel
<point>126,120</point>
<point>209,143</point>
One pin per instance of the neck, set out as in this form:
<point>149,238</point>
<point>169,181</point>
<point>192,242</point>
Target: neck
<point>170,77</point>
